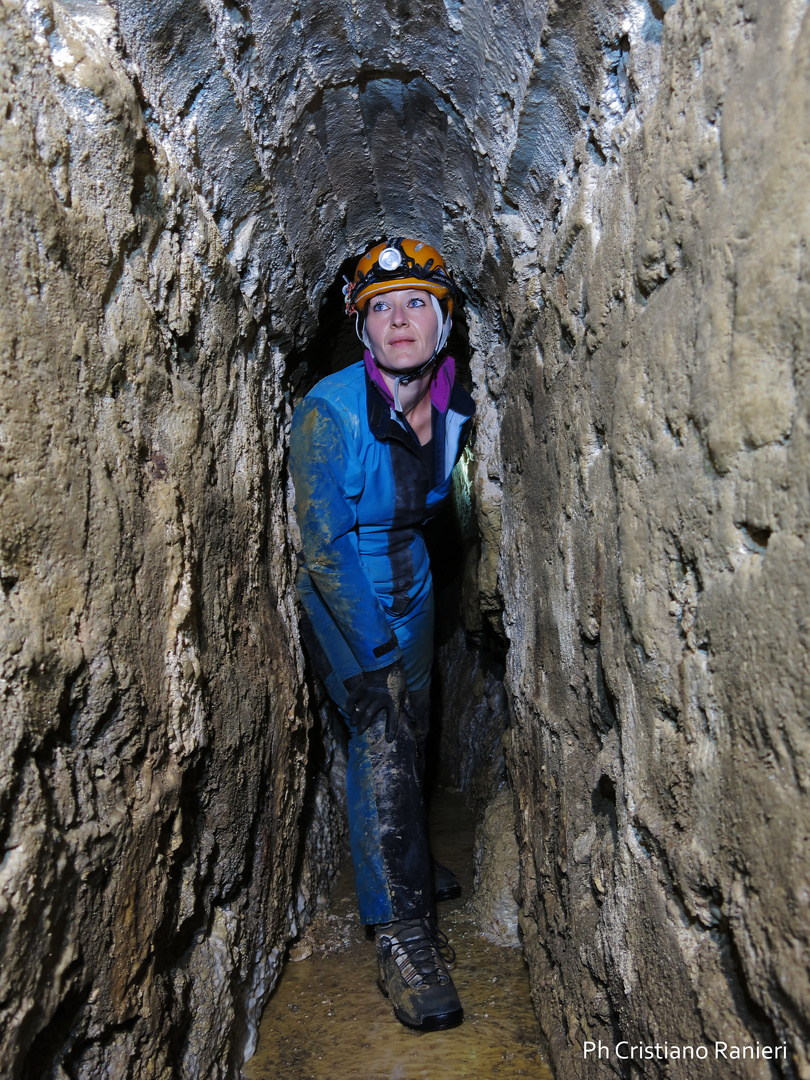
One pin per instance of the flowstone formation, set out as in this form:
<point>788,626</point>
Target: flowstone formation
<point>621,189</point>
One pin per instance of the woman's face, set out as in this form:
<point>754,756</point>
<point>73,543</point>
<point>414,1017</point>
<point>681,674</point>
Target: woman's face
<point>402,328</point>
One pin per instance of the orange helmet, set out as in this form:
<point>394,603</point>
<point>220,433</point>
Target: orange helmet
<point>399,264</point>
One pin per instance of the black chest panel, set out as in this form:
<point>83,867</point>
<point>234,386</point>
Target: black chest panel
<point>411,488</point>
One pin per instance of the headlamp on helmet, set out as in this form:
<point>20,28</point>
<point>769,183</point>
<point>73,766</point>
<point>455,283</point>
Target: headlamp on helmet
<point>390,259</point>
<point>399,264</point>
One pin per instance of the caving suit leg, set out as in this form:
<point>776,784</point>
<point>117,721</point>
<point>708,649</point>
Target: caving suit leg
<point>387,819</point>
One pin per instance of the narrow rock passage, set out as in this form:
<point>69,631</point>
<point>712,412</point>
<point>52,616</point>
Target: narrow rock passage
<point>622,188</point>
<point>328,1019</point>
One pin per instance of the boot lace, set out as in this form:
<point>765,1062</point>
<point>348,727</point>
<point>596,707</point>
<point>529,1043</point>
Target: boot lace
<point>422,956</point>
<point>443,946</point>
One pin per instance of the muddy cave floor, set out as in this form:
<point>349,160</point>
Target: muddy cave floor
<point>327,1019</point>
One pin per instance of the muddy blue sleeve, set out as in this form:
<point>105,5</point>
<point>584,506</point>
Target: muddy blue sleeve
<point>329,479</point>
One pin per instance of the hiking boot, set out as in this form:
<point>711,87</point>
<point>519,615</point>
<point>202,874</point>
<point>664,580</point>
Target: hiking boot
<point>445,883</point>
<point>414,975</point>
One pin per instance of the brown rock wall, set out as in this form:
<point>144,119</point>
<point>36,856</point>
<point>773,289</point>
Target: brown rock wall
<point>154,723</point>
<point>654,560</point>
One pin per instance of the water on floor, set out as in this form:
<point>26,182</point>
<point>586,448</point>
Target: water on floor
<point>327,1020</point>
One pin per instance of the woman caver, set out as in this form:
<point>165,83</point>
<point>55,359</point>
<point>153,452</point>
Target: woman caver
<point>372,452</point>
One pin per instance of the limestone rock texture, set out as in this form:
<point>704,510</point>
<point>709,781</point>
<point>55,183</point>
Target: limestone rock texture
<point>154,721</point>
<point>654,560</point>
<point>621,188</point>
<point>493,904</point>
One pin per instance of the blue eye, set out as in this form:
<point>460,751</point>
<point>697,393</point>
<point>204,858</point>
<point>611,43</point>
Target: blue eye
<point>416,301</point>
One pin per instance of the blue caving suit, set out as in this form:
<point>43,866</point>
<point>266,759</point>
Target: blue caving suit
<point>364,488</point>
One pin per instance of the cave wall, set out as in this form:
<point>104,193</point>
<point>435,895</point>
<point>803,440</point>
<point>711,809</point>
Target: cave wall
<point>654,564</point>
<point>154,725</point>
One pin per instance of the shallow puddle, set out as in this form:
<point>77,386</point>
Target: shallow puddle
<point>327,1020</point>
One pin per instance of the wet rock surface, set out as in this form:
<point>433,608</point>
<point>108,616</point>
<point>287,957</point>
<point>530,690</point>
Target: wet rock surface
<point>654,440</point>
<point>493,904</point>
<point>154,726</point>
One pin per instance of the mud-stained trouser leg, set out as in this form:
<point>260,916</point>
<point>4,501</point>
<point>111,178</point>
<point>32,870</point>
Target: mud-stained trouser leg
<point>393,866</point>
<point>420,710</point>
<point>387,826</point>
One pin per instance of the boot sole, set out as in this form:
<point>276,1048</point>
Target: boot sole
<point>452,892</point>
<point>438,1022</point>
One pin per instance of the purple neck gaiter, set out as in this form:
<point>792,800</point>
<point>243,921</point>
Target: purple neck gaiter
<point>440,387</point>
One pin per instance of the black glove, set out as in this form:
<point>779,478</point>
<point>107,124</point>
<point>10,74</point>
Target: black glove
<point>384,691</point>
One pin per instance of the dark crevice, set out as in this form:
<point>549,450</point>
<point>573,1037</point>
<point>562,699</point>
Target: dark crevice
<point>144,173</point>
<point>755,537</point>
<point>52,1044</point>
<point>603,801</point>
<point>92,1053</point>
<point>182,934</point>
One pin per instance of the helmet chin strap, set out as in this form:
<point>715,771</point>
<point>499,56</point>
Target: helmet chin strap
<point>403,377</point>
